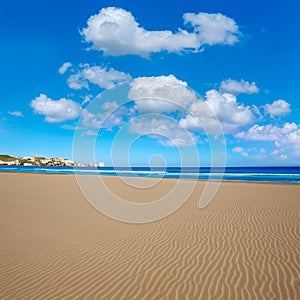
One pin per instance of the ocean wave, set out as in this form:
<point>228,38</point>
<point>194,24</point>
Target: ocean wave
<point>280,174</point>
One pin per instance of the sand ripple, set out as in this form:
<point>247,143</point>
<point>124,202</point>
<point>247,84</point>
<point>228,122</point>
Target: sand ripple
<point>54,245</point>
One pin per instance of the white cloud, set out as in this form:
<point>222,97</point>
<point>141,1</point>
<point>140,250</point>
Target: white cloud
<point>275,152</point>
<point>68,127</point>
<point>285,138</point>
<point>101,76</point>
<point>251,153</point>
<point>113,116</point>
<point>165,129</point>
<point>91,133</point>
<point>238,87</point>
<point>55,110</point>
<point>160,94</point>
<point>218,110</point>
<point>91,120</point>
<point>231,114</point>
<point>86,99</point>
<point>16,113</point>
<point>278,108</point>
<point>240,150</point>
<point>200,117</point>
<point>237,149</point>
<point>116,32</point>
<point>65,66</point>
<point>76,82</point>
<point>213,29</point>
<point>266,132</point>
<point>110,105</point>
<point>164,94</point>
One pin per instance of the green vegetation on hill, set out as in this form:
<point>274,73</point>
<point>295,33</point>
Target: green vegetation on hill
<point>5,157</point>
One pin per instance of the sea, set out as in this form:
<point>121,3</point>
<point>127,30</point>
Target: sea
<point>289,175</point>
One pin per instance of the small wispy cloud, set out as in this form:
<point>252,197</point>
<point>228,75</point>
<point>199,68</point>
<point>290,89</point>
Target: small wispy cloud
<point>100,76</point>
<point>240,150</point>
<point>16,113</point>
<point>238,87</point>
<point>64,68</point>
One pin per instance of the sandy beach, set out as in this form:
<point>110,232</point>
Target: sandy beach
<point>54,245</point>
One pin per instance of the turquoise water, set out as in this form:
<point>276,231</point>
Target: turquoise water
<point>247,174</point>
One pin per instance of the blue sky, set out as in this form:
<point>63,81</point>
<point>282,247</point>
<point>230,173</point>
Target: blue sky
<point>241,60</point>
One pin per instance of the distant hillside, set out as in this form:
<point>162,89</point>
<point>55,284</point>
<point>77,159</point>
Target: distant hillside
<point>9,160</point>
<point>5,157</point>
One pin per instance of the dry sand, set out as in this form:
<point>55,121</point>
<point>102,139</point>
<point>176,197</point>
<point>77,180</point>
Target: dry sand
<point>54,245</point>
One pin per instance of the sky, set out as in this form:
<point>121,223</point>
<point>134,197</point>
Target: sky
<point>148,82</point>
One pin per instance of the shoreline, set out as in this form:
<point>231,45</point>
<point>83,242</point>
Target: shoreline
<point>149,177</point>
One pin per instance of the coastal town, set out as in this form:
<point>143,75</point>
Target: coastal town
<point>8,160</point>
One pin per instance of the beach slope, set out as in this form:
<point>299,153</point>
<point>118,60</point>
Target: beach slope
<point>54,245</point>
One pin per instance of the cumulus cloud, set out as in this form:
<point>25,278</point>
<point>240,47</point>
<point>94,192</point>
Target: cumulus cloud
<point>151,95</point>
<point>168,97</point>
<point>100,76</point>
<point>55,110</point>
<point>116,32</point>
<point>238,87</point>
<point>266,132</point>
<point>65,66</point>
<point>285,138</point>
<point>160,94</point>
<point>165,94</point>
<point>213,29</point>
<point>231,114</point>
<point>164,129</point>
<point>219,110</point>
<point>200,117</point>
<point>16,113</point>
<point>278,108</point>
